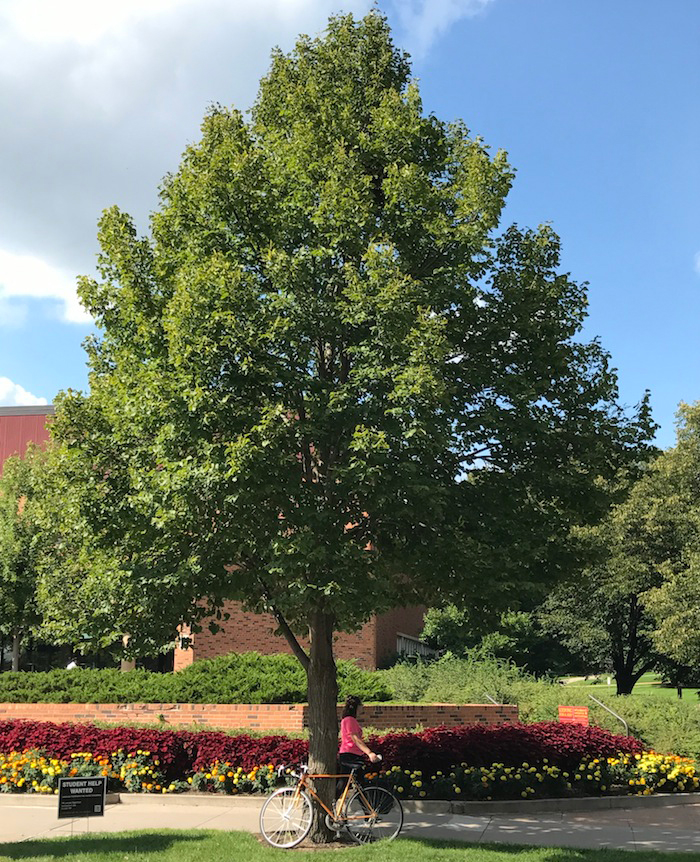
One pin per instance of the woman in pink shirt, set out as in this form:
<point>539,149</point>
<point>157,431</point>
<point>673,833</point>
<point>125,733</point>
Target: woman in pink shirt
<point>352,747</point>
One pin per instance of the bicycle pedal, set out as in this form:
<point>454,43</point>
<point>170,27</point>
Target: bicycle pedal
<point>333,824</point>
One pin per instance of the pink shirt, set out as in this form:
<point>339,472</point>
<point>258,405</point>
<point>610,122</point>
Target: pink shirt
<point>348,727</point>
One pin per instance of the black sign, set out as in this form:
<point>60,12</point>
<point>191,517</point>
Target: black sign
<point>82,797</point>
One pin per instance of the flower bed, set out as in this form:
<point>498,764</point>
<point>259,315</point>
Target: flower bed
<point>640,774</point>
<point>34,772</point>
<point>439,748</point>
<point>180,753</point>
<point>474,762</point>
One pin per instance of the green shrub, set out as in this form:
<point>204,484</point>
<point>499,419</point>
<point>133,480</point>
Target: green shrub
<point>235,678</point>
<point>458,680</point>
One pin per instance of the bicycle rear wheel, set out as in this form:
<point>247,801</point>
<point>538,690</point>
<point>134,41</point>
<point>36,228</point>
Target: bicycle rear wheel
<point>285,818</point>
<point>373,814</point>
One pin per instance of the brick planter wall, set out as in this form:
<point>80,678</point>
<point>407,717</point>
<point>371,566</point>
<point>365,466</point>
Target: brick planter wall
<point>383,716</point>
<point>260,717</point>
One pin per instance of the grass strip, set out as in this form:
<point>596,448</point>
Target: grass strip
<point>198,845</point>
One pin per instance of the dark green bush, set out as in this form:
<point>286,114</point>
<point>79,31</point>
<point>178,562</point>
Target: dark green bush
<point>235,678</point>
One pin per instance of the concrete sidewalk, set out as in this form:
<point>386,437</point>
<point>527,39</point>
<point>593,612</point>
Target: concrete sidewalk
<point>669,828</point>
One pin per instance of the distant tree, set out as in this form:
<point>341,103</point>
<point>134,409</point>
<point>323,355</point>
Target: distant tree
<point>85,594</point>
<point>675,601</point>
<point>605,615</point>
<point>515,635</point>
<point>324,386</point>
<point>20,541</point>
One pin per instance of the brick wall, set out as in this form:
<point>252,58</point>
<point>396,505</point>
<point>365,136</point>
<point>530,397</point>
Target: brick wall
<point>407,621</point>
<point>383,716</point>
<point>260,717</point>
<point>244,631</point>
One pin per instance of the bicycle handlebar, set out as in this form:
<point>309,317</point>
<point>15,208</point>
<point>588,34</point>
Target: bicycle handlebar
<point>304,768</point>
<point>297,773</point>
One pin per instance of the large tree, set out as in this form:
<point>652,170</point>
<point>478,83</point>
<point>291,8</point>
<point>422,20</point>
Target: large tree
<point>324,385</point>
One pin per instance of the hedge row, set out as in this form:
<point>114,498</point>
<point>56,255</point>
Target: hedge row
<point>183,752</point>
<point>236,678</point>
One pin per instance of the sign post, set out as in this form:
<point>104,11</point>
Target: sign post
<point>82,797</point>
<point>573,715</point>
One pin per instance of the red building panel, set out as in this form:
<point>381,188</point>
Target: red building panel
<point>20,426</point>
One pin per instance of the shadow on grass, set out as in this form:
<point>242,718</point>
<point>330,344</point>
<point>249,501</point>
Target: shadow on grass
<point>64,847</point>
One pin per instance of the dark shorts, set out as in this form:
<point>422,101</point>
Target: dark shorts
<point>348,763</point>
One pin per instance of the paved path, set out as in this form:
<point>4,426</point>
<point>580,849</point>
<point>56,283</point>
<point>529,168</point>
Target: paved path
<point>675,828</point>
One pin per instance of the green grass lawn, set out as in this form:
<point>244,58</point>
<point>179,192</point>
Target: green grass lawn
<point>202,846</point>
<point>650,685</point>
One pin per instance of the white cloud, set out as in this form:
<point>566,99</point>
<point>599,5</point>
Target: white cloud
<point>23,275</point>
<point>424,21</point>
<point>100,97</point>
<point>697,263</point>
<point>80,21</point>
<point>14,395</point>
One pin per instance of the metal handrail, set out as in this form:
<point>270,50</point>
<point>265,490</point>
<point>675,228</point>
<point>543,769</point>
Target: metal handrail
<point>612,712</point>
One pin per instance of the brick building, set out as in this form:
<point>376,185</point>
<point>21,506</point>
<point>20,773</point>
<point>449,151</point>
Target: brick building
<point>379,640</point>
<point>384,636</point>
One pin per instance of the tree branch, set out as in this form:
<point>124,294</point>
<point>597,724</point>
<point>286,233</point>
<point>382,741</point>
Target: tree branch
<point>284,627</point>
<point>471,456</point>
<point>306,456</point>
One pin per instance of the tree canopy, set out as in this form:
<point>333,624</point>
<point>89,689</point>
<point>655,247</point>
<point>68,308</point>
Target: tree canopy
<point>325,384</point>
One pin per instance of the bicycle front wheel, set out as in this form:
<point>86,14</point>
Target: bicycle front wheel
<point>373,814</point>
<point>285,818</point>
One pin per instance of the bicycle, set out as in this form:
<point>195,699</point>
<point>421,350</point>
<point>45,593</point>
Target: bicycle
<point>368,814</point>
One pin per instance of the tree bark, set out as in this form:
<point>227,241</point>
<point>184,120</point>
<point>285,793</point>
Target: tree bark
<point>627,677</point>
<point>323,718</point>
<point>16,644</point>
<point>126,664</point>
<point>624,682</point>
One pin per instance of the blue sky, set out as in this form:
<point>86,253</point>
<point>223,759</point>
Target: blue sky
<point>596,103</point>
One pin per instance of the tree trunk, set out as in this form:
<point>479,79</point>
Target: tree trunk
<point>323,718</point>
<point>126,664</point>
<point>624,682</point>
<point>16,643</point>
<point>626,677</point>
